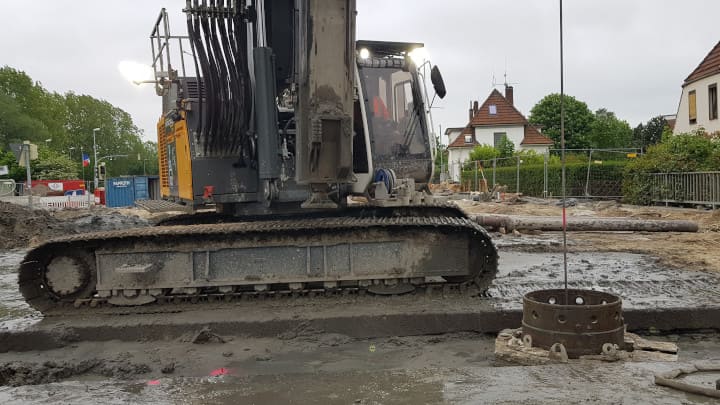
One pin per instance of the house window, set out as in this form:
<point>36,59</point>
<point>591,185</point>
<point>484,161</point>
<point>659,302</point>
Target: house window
<point>713,101</point>
<point>692,107</point>
<point>498,138</point>
<point>468,139</point>
<point>493,109</point>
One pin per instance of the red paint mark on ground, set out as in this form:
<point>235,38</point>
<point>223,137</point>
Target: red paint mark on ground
<point>154,382</point>
<point>219,371</point>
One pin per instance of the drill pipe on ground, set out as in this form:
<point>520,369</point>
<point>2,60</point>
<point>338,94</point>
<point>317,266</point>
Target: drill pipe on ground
<point>581,224</point>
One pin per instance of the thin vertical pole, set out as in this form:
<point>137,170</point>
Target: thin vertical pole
<point>494,166</point>
<point>28,186</point>
<point>476,177</point>
<point>545,175</point>
<point>82,158</point>
<point>562,146</point>
<point>517,185</point>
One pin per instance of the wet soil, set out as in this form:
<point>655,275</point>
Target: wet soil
<point>316,368</point>
<point>691,251</point>
<point>21,227</point>
<point>307,365</point>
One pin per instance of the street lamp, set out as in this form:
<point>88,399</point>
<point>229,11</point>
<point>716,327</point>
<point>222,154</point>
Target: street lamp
<point>95,161</point>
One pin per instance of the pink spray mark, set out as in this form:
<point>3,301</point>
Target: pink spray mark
<point>219,372</point>
<point>153,382</point>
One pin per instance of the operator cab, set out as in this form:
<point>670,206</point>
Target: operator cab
<point>392,112</point>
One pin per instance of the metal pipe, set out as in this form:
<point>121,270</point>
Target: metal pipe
<point>95,161</point>
<point>584,224</point>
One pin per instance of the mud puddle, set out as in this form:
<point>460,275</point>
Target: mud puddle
<point>638,279</point>
<point>444,369</point>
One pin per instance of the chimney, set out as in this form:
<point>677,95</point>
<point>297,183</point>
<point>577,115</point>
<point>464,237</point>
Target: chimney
<point>470,111</point>
<point>509,95</point>
<point>476,106</point>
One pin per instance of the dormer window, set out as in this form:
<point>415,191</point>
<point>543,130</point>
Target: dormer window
<point>468,139</point>
<point>493,109</point>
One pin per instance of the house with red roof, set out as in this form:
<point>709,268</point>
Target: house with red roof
<point>488,123</point>
<point>698,106</point>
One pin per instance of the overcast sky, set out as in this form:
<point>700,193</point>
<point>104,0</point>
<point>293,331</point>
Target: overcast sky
<point>629,56</point>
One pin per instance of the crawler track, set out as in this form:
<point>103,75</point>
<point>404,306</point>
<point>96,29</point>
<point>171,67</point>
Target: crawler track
<point>288,257</point>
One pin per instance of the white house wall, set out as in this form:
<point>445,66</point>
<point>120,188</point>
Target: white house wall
<point>486,135</point>
<point>682,124</point>
<point>452,136</point>
<point>456,158</point>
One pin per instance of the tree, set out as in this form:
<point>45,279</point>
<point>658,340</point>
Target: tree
<point>52,165</point>
<point>578,120</point>
<point>17,173</point>
<point>484,152</point>
<point>29,111</point>
<point>606,131</point>
<point>65,123</point>
<point>505,147</point>
<point>17,126</point>
<point>650,133</point>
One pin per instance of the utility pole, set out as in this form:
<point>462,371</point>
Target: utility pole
<point>95,162</point>
<point>82,157</point>
<point>441,151</point>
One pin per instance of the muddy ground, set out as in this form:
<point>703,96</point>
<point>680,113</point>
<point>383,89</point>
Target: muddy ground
<point>21,227</point>
<point>314,366</point>
<point>692,251</point>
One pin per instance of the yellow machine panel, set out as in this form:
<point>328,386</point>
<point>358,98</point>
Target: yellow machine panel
<point>163,159</point>
<point>184,163</point>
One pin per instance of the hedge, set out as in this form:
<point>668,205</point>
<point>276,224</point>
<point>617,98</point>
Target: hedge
<point>605,179</point>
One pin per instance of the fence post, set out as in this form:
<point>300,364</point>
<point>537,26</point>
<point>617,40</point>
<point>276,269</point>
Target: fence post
<point>545,174</point>
<point>517,185</point>
<point>476,172</point>
<point>494,166</point>
<point>587,180</point>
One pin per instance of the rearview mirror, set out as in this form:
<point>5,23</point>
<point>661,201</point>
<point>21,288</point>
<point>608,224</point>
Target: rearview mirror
<point>438,82</point>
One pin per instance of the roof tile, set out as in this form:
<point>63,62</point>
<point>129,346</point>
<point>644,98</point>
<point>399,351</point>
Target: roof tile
<point>459,142</point>
<point>534,137</point>
<point>708,67</point>
<point>506,112</point>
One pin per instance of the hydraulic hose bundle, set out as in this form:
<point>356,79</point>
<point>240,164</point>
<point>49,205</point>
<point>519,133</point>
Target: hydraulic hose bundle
<point>219,37</point>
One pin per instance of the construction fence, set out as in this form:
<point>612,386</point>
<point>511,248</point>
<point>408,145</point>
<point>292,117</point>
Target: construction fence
<point>15,192</point>
<point>590,173</point>
<point>698,188</point>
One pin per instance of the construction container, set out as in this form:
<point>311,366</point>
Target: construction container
<point>120,192</point>
<point>124,191</point>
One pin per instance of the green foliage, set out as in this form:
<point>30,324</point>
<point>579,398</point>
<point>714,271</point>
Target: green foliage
<point>17,173</point>
<point>52,165</point>
<point>64,123</point>
<point>530,157</point>
<point>606,179</point>
<point>506,147</point>
<point>578,120</point>
<point>687,152</point>
<point>606,131</point>
<point>651,133</point>
<point>484,152</point>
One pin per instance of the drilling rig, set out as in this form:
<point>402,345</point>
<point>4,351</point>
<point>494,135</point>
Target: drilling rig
<point>275,116</point>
